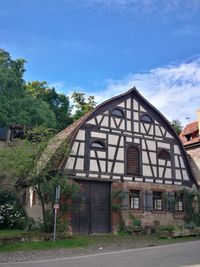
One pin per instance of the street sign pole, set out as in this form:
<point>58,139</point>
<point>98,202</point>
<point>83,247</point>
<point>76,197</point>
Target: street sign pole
<point>56,207</point>
<point>54,228</point>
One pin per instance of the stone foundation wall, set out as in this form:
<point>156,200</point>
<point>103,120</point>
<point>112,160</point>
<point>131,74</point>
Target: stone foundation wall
<point>147,218</point>
<point>194,159</point>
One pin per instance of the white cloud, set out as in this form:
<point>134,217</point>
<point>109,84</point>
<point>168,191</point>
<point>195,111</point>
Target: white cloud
<point>59,86</point>
<point>173,89</point>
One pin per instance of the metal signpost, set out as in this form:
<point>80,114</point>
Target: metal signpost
<point>56,207</point>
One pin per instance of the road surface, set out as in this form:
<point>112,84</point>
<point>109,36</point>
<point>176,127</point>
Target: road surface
<point>182,254</point>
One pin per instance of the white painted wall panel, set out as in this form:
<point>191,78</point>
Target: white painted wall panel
<point>135,104</point>
<point>105,122</point>
<point>81,149</point>
<point>112,139</point>
<point>135,115</point>
<point>94,165</point>
<point>136,127</point>
<point>178,175</point>
<point>111,152</point>
<point>74,148</point>
<point>122,105</point>
<point>147,171</point>
<point>81,135</point>
<point>128,114</point>
<point>168,173</point>
<point>79,164</point>
<point>120,154</point>
<point>151,145</point>
<point>153,157</point>
<point>119,167</point>
<point>98,135</point>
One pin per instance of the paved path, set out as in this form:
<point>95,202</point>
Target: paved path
<point>175,255</point>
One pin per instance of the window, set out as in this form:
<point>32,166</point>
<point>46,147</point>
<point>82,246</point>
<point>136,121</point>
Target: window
<point>117,112</point>
<point>134,199</point>
<point>188,137</point>
<point>157,200</point>
<point>146,118</point>
<point>133,160</point>
<point>98,144</point>
<point>164,154</point>
<point>179,202</point>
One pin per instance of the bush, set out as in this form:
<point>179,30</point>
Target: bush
<point>168,228</point>
<point>12,214</point>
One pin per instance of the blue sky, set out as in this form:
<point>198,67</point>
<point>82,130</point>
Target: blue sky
<point>105,47</point>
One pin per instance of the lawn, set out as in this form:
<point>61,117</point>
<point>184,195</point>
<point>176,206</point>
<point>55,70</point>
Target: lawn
<point>109,241</point>
<point>11,233</point>
<point>74,242</point>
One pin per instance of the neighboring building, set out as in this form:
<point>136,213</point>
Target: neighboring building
<point>191,140</point>
<point>124,144</point>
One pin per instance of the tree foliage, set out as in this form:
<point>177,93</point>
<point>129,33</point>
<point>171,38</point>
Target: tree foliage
<point>58,103</point>
<point>16,105</point>
<point>82,104</point>
<point>177,125</point>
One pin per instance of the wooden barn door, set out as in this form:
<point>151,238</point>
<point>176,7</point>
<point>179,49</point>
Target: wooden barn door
<point>91,210</point>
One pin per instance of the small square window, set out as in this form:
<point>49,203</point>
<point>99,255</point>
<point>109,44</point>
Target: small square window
<point>134,199</point>
<point>179,202</point>
<point>157,200</point>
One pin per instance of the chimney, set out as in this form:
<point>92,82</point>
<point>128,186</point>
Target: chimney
<point>198,116</point>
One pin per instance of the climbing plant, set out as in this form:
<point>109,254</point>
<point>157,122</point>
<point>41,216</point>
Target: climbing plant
<point>192,206</point>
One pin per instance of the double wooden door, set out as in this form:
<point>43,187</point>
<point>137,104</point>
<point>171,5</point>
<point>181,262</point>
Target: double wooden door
<point>91,210</point>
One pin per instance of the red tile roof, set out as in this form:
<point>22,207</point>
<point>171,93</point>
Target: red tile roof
<point>190,129</point>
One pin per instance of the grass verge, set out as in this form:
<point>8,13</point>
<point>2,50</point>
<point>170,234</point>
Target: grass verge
<point>74,242</point>
<point>12,233</point>
<point>110,241</point>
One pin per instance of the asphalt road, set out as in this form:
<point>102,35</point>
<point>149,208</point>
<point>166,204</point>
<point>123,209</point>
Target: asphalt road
<point>184,254</point>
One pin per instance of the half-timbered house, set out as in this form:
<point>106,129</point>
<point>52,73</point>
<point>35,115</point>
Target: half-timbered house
<point>127,145</point>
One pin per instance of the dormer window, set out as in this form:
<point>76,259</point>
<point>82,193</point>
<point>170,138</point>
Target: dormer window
<point>188,137</point>
<point>99,144</point>
<point>146,118</point>
<point>117,112</point>
<point>164,154</point>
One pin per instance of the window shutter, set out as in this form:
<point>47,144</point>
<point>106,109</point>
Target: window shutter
<point>144,200</point>
<point>149,200</point>
<point>170,201</point>
<point>125,200</point>
<point>185,201</point>
<point>133,160</point>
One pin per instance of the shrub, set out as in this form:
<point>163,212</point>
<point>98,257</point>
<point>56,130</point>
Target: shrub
<point>12,214</point>
<point>168,228</point>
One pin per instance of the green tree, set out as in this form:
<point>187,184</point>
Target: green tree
<point>176,124</point>
<point>16,105</point>
<point>59,103</point>
<point>82,105</point>
<point>11,73</point>
<point>30,162</point>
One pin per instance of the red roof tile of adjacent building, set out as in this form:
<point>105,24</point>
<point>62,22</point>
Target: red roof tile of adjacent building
<point>191,130</point>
